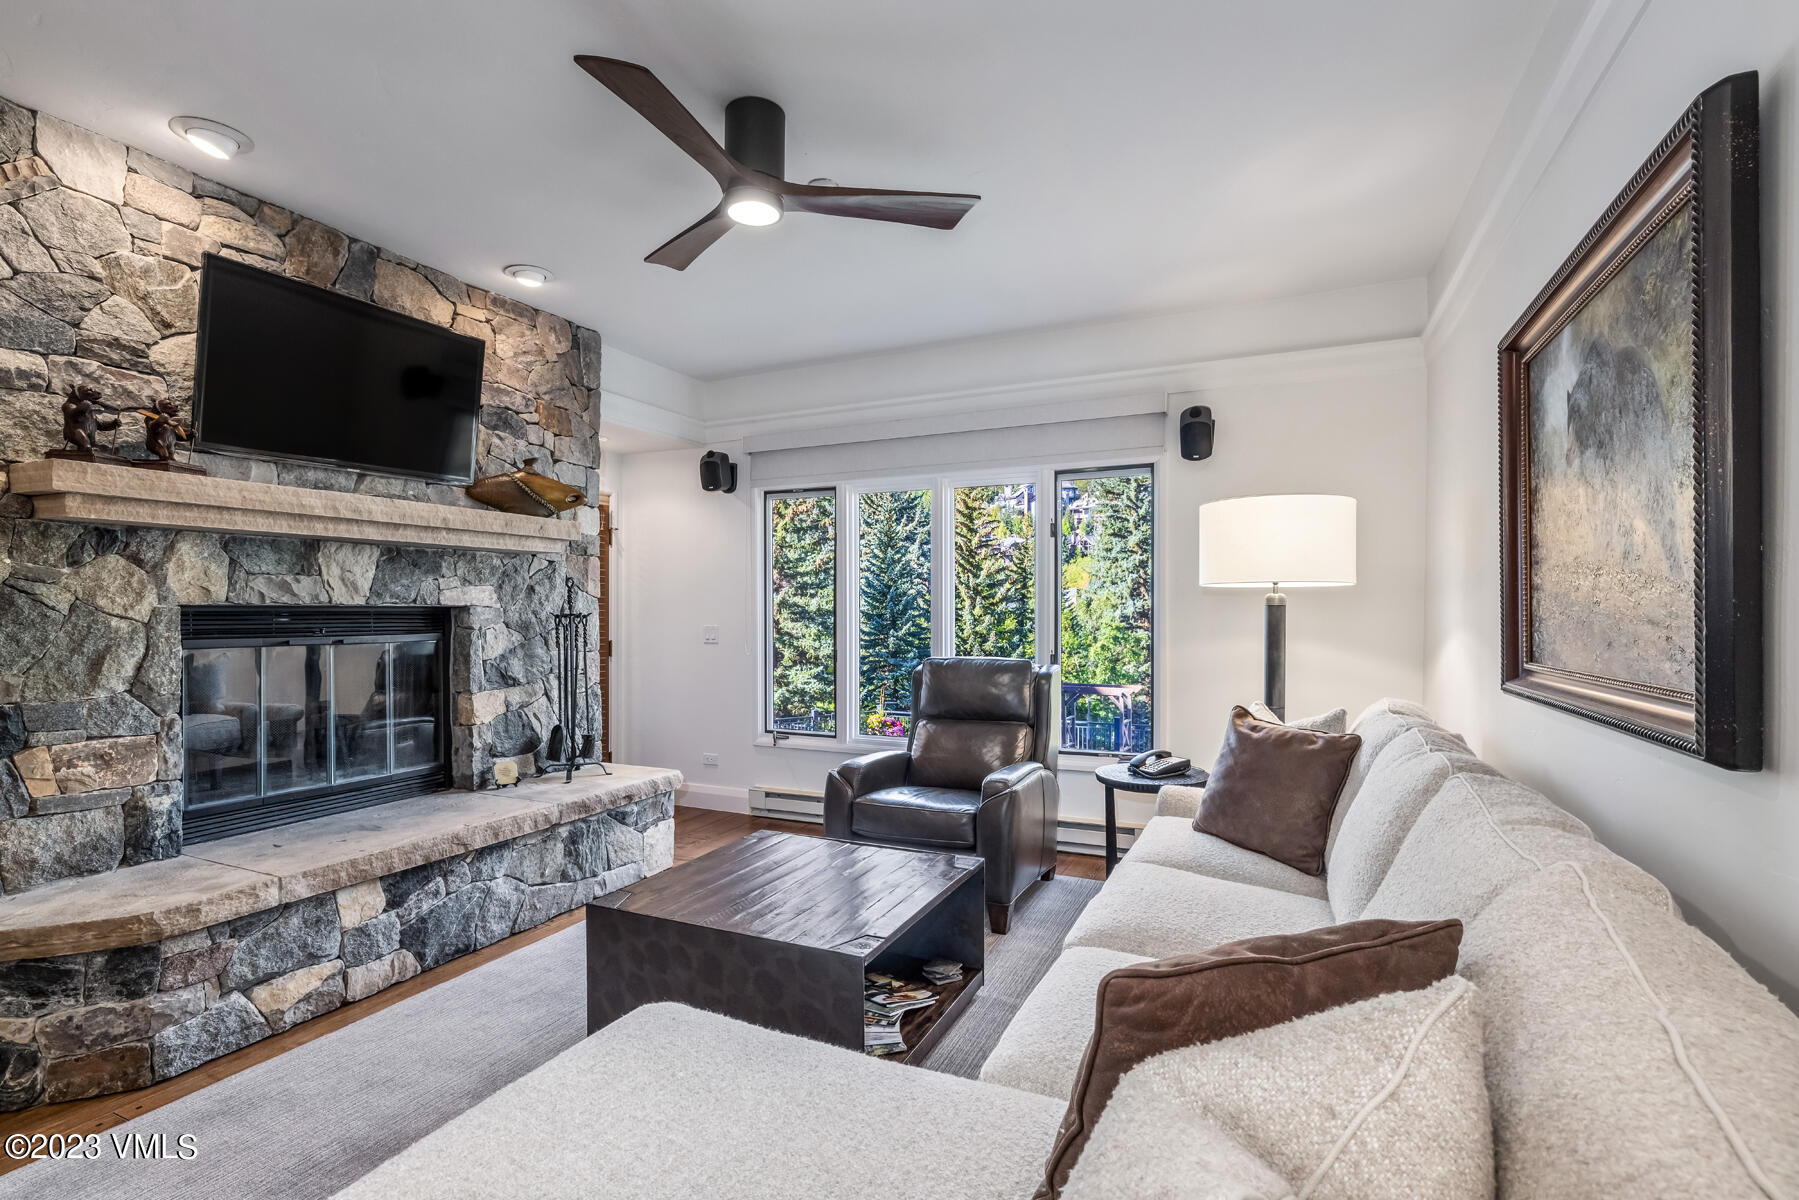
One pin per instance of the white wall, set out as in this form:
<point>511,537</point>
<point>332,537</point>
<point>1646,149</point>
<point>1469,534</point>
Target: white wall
<point>1040,366</point>
<point>1725,843</point>
<point>1348,420</point>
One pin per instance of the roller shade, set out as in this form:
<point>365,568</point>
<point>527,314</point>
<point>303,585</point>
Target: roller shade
<point>1018,442</point>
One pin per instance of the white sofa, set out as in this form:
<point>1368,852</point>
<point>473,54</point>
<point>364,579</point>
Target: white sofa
<point>1626,1054</point>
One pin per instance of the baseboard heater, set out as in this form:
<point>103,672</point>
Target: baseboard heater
<point>1075,835</point>
<point>1087,835</point>
<point>787,804</point>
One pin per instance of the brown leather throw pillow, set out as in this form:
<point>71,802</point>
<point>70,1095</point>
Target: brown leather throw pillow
<point>1273,789</point>
<point>1145,1009</point>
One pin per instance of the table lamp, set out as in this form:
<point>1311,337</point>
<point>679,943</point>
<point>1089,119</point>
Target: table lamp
<point>1276,542</point>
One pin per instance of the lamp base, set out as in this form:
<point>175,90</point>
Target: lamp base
<point>1274,653</point>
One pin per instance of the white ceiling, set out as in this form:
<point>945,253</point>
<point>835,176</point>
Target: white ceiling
<point>1133,157</point>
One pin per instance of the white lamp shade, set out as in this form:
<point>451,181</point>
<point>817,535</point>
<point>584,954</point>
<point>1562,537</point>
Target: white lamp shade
<point>1293,541</point>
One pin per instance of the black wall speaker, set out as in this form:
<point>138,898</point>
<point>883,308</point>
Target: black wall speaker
<point>719,474</point>
<point>1196,432</point>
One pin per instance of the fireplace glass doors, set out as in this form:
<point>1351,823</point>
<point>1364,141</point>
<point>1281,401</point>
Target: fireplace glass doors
<point>289,713</point>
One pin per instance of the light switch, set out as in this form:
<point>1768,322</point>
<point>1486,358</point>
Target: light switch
<point>709,635</point>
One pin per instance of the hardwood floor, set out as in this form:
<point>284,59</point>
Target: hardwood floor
<point>697,831</point>
<point>700,830</point>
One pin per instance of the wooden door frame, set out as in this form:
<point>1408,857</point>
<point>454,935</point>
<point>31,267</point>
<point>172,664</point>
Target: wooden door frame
<point>603,503</point>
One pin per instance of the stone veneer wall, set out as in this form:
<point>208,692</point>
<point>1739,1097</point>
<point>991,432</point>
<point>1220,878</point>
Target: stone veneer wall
<point>99,284</point>
<point>91,1024</point>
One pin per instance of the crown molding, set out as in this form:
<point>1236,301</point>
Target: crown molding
<point>1110,393</point>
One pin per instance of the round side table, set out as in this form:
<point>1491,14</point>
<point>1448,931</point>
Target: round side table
<point>1118,777</point>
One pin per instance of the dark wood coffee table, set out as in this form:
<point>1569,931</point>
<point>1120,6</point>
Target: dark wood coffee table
<point>778,929</point>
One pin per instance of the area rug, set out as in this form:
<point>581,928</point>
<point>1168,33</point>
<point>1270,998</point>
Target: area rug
<point>311,1121</point>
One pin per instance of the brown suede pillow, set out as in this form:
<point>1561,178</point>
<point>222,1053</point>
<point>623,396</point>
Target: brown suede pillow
<point>1273,789</point>
<point>1234,989</point>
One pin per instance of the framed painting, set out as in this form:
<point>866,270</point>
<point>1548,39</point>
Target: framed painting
<point>1630,455</point>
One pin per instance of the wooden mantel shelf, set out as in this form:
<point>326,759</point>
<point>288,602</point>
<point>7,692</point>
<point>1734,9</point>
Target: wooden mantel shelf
<point>64,490</point>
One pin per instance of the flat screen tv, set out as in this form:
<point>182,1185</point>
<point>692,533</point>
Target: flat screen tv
<point>287,370</point>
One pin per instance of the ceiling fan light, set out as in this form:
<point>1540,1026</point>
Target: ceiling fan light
<point>752,206</point>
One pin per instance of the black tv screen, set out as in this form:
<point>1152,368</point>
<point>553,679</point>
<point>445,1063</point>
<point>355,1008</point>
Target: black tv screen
<point>288,370</point>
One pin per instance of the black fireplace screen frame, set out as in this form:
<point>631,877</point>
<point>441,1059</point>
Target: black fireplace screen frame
<point>227,626</point>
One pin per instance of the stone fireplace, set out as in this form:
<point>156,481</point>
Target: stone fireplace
<point>149,919</point>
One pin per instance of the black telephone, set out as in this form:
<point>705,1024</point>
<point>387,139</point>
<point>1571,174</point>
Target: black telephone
<point>1158,764</point>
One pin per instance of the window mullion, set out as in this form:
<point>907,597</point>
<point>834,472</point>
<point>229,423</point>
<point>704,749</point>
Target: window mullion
<point>849,612</point>
<point>943,567</point>
<point>1049,591</point>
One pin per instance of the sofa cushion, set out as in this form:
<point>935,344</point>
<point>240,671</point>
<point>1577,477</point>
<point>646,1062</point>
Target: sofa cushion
<point>1199,1162</point>
<point>1477,836</point>
<point>1178,801</point>
<point>1173,842</point>
<point>925,816</point>
<point>1165,1004</point>
<point>701,1105</point>
<point>1334,721</point>
<point>1382,1098</point>
<point>1041,1049</point>
<point>1273,789</point>
<point>1162,911</point>
<point>1408,773</point>
<point>1627,1054</point>
<point>960,754</point>
<point>1378,725</point>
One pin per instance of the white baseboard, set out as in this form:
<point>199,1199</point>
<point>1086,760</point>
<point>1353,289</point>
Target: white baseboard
<point>713,796</point>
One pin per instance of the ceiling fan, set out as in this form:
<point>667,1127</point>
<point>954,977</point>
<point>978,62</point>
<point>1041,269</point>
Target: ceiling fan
<point>748,168</point>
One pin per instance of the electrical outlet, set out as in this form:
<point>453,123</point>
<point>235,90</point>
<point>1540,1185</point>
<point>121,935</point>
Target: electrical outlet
<point>709,635</point>
<point>708,760</point>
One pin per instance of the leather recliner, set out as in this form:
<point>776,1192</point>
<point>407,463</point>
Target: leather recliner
<point>978,774</point>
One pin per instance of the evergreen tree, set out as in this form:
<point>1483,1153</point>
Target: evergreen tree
<point>996,609</point>
<point>1018,591</point>
<point>803,563</point>
<point>895,601</point>
<point>1108,588</point>
<point>974,592</point>
<point>1122,573</point>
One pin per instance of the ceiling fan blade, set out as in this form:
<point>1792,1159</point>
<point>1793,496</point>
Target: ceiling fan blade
<point>640,89</point>
<point>938,210</point>
<point>687,245</point>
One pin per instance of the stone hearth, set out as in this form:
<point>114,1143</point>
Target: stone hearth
<point>257,933</point>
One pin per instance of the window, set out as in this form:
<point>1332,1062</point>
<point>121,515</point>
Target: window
<point>1043,564</point>
<point>802,606</point>
<point>996,570</point>
<point>894,594</point>
<point>1105,563</point>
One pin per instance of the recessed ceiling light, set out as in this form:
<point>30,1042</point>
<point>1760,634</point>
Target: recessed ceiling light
<point>210,137</point>
<point>604,438</point>
<point>529,275</point>
<point>752,206</point>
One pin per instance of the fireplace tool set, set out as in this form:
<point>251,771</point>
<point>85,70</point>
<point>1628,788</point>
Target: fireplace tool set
<point>574,742</point>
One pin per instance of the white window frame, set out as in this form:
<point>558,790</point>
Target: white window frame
<point>849,739</point>
<point>765,560</point>
<point>1155,587</point>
